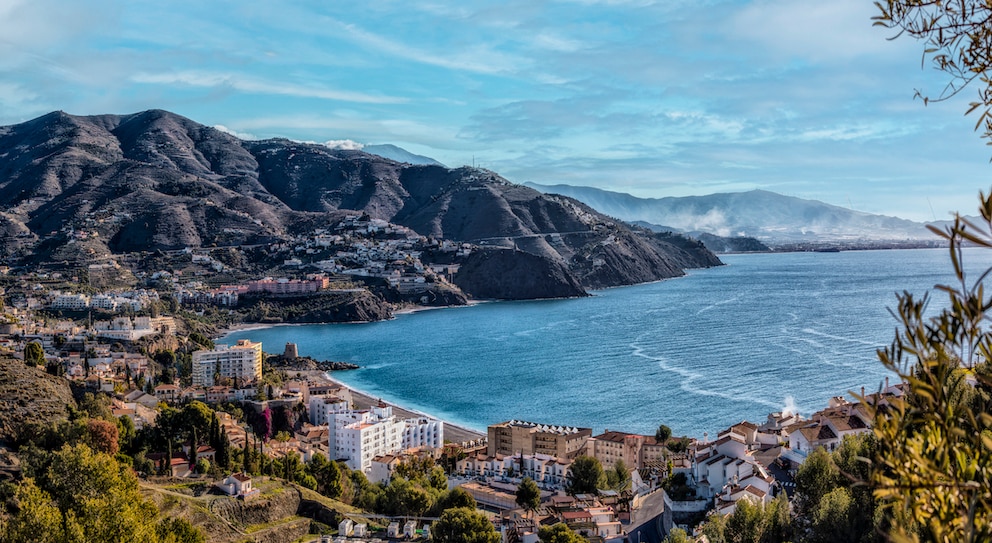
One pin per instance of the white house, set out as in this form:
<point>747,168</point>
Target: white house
<point>238,484</point>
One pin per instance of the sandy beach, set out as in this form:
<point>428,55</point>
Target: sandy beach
<point>452,432</point>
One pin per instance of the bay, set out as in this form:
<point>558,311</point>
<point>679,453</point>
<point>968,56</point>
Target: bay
<point>698,353</point>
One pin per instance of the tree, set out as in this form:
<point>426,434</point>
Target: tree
<point>196,418</point>
<point>745,524</point>
<point>34,354</point>
<point>326,474</point>
<point>559,533</point>
<point>958,41</point>
<point>223,455</point>
<point>178,530</point>
<point>816,477</point>
<point>585,476</point>
<point>37,520</point>
<point>103,436</point>
<point>126,433</point>
<point>931,469</point>
<point>100,500</point>
<point>618,477</point>
<point>456,497</point>
<point>662,434</point>
<point>528,495</point>
<point>202,465</point>
<point>463,525</point>
<point>677,535</point>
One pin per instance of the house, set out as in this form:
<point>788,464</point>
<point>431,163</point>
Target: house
<point>238,484</point>
<point>410,529</point>
<point>383,467</point>
<point>167,393</point>
<point>346,527</point>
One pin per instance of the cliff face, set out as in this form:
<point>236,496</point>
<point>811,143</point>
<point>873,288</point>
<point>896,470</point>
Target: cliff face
<point>360,306</point>
<point>78,188</point>
<point>515,275</point>
<point>29,395</point>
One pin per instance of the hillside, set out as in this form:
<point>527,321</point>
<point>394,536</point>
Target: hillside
<point>283,511</point>
<point>83,189</point>
<point>30,395</point>
<point>766,216</point>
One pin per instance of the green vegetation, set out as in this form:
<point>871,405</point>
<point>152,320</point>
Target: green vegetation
<point>932,471</point>
<point>585,476</point>
<point>76,494</point>
<point>663,433</point>
<point>528,495</point>
<point>34,354</point>
<point>618,477</point>
<point>463,525</point>
<point>559,533</point>
<point>750,523</point>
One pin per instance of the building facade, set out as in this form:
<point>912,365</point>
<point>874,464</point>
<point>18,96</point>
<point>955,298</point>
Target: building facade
<point>529,438</point>
<point>358,436</point>
<point>243,362</point>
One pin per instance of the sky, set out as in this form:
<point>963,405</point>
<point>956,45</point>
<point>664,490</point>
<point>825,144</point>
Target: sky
<point>654,98</point>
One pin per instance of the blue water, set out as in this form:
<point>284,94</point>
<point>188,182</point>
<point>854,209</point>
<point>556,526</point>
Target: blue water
<point>697,353</point>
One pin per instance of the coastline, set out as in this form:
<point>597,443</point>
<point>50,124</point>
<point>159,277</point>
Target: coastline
<point>452,432</point>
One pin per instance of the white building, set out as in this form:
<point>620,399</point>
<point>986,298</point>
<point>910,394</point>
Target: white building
<point>322,407</point>
<point>242,361</point>
<point>71,301</point>
<point>359,436</point>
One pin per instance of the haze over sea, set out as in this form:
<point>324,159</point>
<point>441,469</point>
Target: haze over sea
<point>698,353</point>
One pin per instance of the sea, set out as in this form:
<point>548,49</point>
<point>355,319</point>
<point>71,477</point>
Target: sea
<point>764,333</point>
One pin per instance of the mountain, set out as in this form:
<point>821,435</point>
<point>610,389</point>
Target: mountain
<point>399,154</point>
<point>766,216</point>
<point>78,189</point>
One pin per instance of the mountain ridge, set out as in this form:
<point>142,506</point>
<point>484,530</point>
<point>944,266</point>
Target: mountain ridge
<point>764,215</point>
<point>91,187</point>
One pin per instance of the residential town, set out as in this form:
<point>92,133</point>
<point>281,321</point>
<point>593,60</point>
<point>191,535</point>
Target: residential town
<point>662,480</point>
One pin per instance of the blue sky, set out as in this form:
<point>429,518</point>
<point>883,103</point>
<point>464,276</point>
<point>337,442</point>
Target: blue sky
<point>667,98</point>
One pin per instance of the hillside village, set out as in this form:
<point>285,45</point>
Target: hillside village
<point>357,254</point>
<point>294,417</point>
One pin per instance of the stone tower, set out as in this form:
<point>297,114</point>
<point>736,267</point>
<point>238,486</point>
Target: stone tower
<point>291,352</point>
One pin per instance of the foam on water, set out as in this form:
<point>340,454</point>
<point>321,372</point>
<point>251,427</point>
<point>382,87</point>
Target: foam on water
<point>765,333</point>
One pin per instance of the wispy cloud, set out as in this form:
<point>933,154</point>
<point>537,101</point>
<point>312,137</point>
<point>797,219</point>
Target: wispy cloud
<point>476,57</point>
<point>654,97</point>
<point>239,135</point>
<point>251,85</point>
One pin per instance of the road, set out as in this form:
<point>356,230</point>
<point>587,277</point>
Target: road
<point>645,521</point>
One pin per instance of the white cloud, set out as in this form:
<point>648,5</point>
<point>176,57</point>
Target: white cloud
<point>344,145</point>
<point>251,85</point>
<point>239,135</point>
<point>836,31</point>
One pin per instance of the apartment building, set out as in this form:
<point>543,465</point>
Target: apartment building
<point>521,437</point>
<point>358,436</point>
<point>242,361</point>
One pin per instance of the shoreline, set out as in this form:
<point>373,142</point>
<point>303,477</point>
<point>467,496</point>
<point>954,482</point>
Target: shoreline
<point>454,433</point>
<point>407,310</point>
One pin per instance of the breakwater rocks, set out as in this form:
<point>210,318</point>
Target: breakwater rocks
<point>306,363</point>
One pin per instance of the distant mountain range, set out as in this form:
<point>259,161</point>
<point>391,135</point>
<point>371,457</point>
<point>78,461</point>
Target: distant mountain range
<point>75,189</point>
<point>399,154</point>
<point>766,216</point>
